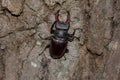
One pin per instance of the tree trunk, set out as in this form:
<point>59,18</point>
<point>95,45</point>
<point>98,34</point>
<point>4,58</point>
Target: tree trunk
<point>94,57</point>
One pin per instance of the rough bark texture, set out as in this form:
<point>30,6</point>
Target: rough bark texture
<point>94,57</point>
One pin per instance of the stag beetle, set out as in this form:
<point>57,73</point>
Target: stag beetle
<point>60,37</point>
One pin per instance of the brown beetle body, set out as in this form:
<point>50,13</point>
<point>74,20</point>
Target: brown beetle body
<point>57,48</point>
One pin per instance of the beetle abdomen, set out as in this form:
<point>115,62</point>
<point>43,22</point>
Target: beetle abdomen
<point>57,48</point>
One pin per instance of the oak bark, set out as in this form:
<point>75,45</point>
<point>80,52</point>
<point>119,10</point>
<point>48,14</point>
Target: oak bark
<point>94,57</point>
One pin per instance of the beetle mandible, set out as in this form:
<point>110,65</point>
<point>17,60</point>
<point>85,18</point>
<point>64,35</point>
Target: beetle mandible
<point>60,37</point>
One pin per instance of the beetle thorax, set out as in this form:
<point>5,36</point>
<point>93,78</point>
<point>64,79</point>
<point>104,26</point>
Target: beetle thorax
<point>60,34</point>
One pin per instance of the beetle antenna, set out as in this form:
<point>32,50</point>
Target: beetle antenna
<point>47,46</point>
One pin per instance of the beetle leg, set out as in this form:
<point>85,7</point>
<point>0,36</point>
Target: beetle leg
<point>52,30</point>
<point>75,31</point>
<point>71,38</point>
<point>47,46</point>
<point>64,57</point>
<point>47,38</point>
<point>74,37</point>
<point>66,51</point>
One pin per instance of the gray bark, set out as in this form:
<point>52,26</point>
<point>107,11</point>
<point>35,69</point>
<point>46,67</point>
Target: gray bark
<point>94,57</point>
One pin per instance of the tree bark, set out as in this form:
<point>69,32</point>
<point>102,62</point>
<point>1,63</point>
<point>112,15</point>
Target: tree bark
<point>94,57</point>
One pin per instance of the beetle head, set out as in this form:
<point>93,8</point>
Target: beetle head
<point>60,24</point>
